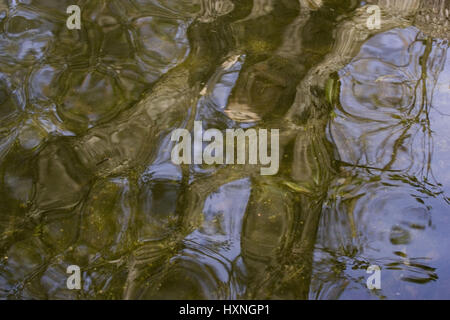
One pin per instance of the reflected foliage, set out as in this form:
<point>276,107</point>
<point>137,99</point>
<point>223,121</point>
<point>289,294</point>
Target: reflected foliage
<point>86,176</point>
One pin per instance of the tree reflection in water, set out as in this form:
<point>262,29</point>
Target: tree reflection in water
<point>363,178</point>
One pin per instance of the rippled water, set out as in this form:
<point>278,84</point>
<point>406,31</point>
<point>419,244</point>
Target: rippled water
<point>85,171</point>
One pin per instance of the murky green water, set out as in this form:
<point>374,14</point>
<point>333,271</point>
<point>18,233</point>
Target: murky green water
<point>86,176</point>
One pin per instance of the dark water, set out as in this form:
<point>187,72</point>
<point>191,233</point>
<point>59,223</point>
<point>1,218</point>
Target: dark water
<point>86,176</point>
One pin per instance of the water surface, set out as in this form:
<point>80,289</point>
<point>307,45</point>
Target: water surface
<point>85,171</point>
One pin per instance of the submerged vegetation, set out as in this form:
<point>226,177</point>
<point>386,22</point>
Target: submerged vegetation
<point>87,179</point>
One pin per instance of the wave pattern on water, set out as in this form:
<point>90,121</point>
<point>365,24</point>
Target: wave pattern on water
<point>86,176</point>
